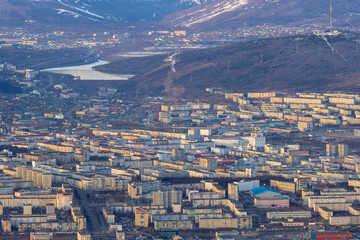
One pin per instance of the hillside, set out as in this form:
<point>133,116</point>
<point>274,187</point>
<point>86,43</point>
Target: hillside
<point>197,15</point>
<point>24,57</point>
<point>234,14</point>
<point>85,12</point>
<point>298,63</point>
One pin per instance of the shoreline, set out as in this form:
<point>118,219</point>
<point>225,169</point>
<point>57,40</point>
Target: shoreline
<point>87,66</point>
<point>87,72</point>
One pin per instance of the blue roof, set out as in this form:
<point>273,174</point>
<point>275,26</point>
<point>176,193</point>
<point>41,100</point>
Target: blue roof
<point>260,190</point>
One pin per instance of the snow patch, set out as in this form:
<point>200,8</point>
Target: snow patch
<point>60,11</point>
<point>191,2</point>
<point>81,10</point>
<point>206,14</point>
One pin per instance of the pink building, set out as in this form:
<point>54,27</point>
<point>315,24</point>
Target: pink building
<point>272,203</point>
<point>269,198</point>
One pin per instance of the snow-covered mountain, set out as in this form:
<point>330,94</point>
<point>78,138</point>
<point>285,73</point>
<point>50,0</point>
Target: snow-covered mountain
<point>219,14</point>
<point>197,14</point>
<point>127,10</point>
<point>82,11</point>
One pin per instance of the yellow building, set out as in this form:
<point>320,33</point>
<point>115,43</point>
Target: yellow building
<point>6,225</point>
<point>109,215</point>
<point>27,209</point>
<point>283,186</point>
<point>41,236</point>
<point>217,223</point>
<point>83,236</point>
<point>142,217</point>
<point>233,191</point>
<point>208,164</point>
<point>180,33</point>
<point>245,222</point>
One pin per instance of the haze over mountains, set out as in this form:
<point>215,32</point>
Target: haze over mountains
<point>196,14</point>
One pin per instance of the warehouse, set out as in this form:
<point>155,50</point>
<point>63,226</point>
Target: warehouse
<point>269,198</point>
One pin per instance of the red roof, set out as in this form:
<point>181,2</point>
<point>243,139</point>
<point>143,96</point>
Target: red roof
<point>226,162</point>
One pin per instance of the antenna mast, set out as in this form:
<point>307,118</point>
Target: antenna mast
<point>331,16</point>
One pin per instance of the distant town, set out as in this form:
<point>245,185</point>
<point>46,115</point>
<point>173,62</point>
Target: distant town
<point>104,165</point>
<point>146,40</point>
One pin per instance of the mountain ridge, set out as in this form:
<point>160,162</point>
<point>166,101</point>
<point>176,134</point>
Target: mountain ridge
<point>232,14</point>
<point>197,15</point>
<point>62,12</point>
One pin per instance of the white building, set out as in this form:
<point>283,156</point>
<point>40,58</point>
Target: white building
<point>248,185</point>
<point>257,141</point>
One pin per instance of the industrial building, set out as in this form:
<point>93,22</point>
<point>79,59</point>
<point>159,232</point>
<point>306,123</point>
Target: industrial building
<point>269,198</point>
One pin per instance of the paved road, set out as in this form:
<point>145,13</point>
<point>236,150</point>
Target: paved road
<point>68,113</point>
<point>93,212</point>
